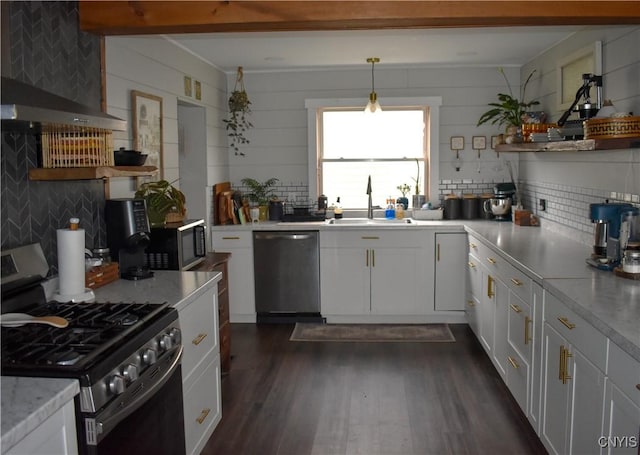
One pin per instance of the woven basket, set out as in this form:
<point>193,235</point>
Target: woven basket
<point>65,146</point>
<point>612,128</point>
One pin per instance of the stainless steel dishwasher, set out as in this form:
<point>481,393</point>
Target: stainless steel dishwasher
<point>286,268</point>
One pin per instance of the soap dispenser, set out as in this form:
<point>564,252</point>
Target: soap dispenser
<point>390,212</point>
<point>337,211</point>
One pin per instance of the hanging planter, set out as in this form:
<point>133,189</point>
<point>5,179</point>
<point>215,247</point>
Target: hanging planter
<point>238,123</point>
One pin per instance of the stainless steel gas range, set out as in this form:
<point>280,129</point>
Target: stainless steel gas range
<point>126,356</point>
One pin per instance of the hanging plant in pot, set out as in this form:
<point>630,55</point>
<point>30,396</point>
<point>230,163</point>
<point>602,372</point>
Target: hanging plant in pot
<point>239,108</point>
<point>509,110</point>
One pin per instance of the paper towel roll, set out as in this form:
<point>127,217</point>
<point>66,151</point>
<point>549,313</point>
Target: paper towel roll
<point>71,261</point>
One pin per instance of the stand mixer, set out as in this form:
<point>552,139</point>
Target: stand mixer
<point>606,248</point>
<point>128,236</point>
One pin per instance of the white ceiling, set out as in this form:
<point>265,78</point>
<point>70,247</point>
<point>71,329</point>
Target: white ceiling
<point>274,51</point>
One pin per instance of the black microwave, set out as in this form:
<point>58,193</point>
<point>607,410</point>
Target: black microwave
<point>176,246</point>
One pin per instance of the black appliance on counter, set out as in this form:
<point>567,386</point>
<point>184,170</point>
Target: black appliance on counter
<point>126,357</point>
<point>128,236</point>
<point>176,246</point>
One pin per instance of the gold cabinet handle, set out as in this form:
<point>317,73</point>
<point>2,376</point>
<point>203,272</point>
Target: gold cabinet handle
<point>566,323</point>
<point>515,308</point>
<point>490,292</point>
<point>373,258</point>
<point>366,258</point>
<point>561,365</point>
<point>370,237</point>
<point>231,238</point>
<point>472,265</point>
<point>491,260</point>
<point>197,340</point>
<point>566,376</point>
<point>513,363</point>
<point>472,303</point>
<point>438,252</point>
<point>516,281</point>
<point>473,246</point>
<point>527,321</point>
<point>203,415</point>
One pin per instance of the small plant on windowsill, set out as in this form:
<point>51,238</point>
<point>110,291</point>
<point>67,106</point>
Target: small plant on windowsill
<point>239,108</point>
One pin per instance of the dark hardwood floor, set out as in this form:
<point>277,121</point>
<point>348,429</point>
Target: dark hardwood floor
<point>296,398</point>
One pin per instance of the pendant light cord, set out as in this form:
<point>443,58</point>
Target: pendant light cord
<point>373,86</point>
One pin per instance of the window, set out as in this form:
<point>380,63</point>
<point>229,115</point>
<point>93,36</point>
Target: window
<point>347,145</point>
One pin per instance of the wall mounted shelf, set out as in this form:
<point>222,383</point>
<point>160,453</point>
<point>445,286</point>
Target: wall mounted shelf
<point>571,146</point>
<point>89,173</point>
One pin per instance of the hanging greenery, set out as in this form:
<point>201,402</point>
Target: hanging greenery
<point>238,123</point>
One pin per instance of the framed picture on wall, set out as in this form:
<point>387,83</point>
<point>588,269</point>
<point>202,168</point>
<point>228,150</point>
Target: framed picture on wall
<point>147,127</point>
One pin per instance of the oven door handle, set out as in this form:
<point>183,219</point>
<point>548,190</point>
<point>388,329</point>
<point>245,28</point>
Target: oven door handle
<point>104,426</point>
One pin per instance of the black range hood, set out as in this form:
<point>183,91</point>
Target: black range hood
<point>26,106</point>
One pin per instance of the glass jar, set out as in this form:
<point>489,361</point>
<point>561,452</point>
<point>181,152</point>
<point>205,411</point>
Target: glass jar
<point>102,253</point>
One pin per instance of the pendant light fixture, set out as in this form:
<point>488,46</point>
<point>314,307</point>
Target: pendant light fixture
<point>373,106</point>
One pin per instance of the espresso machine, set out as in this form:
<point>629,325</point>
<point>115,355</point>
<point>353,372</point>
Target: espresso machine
<point>128,236</point>
<point>606,248</point>
<point>630,243</point>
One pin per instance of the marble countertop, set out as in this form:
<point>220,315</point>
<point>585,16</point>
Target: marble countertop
<point>323,225</point>
<point>27,402</point>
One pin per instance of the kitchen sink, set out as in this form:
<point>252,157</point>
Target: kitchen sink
<point>367,221</point>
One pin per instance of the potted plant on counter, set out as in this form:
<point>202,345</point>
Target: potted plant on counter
<point>261,194</point>
<point>165,203</point>
<point>404,200</point>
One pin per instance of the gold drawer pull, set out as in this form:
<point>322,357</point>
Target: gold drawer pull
<point>513,363</point>
<point>515,308</point>
<point>490,291</point>
<point>370,237</point>
<point>491,260</point>
<point>472,303</point>
<point>472,265</point>
<point>373,258</point>
<point>566,323</point>
<point>473,245</point>
<point>527,321</point>
<point>516,281</point>
<point>231,238</point>
<point>366,258</point>
<point>197,340</point>
<point>203,415</point>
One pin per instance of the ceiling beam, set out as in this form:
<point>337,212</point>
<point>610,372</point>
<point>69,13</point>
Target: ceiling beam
<point>152,17</point>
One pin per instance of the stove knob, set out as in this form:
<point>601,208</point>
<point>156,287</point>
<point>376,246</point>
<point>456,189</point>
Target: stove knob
<point>130,373</point>
<point>176,335</point>
<point>116,385</point>
<point>149,356</point>
<point>165,342</point>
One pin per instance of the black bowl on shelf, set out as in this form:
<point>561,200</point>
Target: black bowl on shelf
<point>124,157</point>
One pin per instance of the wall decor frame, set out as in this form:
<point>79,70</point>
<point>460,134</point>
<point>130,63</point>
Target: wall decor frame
<point>479,142</point>
<point>569,71</point>
<point>147,127</point>
<point>457,142</point>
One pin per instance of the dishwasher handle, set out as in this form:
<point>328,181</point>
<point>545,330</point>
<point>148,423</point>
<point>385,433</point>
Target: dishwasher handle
<point>282,236</point>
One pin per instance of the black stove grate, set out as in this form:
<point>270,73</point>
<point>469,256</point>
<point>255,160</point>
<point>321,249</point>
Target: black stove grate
<point>94,329</point>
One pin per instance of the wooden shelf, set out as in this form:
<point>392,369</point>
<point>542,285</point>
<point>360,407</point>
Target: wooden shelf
<point>571,146</point>
<point>90,173</point>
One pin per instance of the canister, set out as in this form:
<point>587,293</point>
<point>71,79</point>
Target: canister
<point>470,209</point>
<point>452,207</point>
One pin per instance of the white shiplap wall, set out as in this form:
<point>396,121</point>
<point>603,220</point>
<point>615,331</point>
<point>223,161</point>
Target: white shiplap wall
<point>156,66</point>
<point>600,170</point>
<point>279,138</point>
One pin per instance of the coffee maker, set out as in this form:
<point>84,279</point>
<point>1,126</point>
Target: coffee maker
<point>630,242</point>
<point>606,248</point>
<point>128,236</point>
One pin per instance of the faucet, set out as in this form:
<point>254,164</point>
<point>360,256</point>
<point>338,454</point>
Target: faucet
<point>369,206</point>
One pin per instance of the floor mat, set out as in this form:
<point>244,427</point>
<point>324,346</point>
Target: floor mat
<point>372,332</point>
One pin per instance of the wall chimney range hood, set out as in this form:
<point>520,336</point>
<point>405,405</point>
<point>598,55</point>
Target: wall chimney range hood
<point>25,106</point>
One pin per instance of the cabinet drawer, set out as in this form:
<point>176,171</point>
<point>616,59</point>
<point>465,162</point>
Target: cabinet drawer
<point>225,346</point>
<point>624,371</point>
<point>371,238</point>
<point>223,240</point>
<point>518,282</point>
<point>520,326</point>
<point>581,334</point>
<point>199,324</point>
<point>202,405</point>
<point>223,307</point>
<point>224,281</point>
<point>517,374</point>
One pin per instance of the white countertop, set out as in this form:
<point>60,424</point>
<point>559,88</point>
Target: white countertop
<point>323,225</point>
<point>27,402</point>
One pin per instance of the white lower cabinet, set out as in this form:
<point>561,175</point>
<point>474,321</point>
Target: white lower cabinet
<point>242,306</point>
<point>56,435</point>
<point>621,433</point>
<point>370,273</point>
<point>201,377</point>
<point>451,255</point>
<point>573,384</point>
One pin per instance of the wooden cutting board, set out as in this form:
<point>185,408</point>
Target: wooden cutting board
<point>218,189</point>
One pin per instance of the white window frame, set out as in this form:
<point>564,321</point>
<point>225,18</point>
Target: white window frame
<point>433,135</point>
